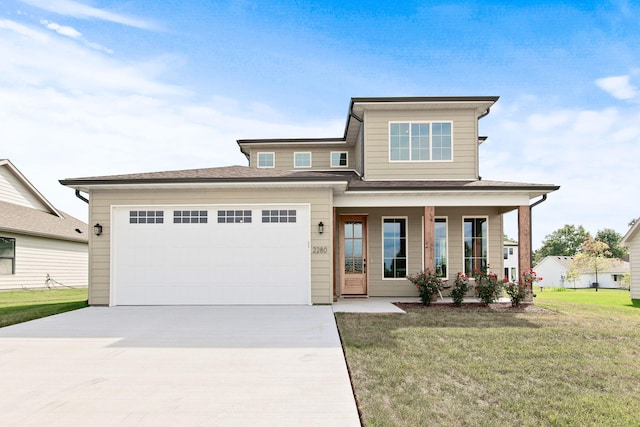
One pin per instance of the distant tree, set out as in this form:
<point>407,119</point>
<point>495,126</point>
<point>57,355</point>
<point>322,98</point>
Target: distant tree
<point>594,256</point>
<point>509,239</point>
<point>563,242</point>
<point>611,238</point>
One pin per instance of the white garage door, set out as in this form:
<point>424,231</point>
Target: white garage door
<point>168,255</point>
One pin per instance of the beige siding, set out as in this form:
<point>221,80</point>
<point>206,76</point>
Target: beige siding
<point>402,287</point>
<point>14,191</point>
<point>465,146</point>
<point>320,156</point>
<point>64,261</point>
<point>320,200</point>
<point>634,261</point>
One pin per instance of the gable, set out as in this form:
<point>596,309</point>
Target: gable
<point>17,190</point>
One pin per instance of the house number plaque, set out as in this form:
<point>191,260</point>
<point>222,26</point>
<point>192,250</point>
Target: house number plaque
<point>320,250</point>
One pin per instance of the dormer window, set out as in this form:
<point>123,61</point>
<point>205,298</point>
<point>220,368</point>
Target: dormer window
<point>420,141</point>
<point>338,159</point>
<point>266,160</point>
<point>302,160</point>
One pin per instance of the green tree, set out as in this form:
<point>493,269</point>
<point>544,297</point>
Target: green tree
<point>563,242</point>
<point>611,238</point>
<point>594,256</point>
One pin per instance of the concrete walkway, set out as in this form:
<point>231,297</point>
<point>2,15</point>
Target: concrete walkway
<point>176,366</point>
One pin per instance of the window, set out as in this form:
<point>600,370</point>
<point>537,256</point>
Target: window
<point>338,159</point>
<point>146,217</point>
<point>236,216</point>
<point>475,237</point>
<point>302,160</point>
<point>441,247</point>
<point>394,243</point>
<point>420,141</point>
<point>505,252</point>
<point>266,160</point>
<point>190,217</point>
<point>7,255</point>
<point>278,215</point>
<point>514,276</point>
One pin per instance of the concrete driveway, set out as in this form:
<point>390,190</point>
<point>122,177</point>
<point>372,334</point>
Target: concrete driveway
<point>176,366</point>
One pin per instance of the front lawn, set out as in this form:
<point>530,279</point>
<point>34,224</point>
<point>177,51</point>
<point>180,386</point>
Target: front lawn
<point>25,304</point>
<point>575,365</point>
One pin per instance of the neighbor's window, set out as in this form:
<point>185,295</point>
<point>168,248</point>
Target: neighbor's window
<point>441,247</point>
<point>338,159</point>
<point>505,251</point>
<point>420,141</point>
<point>7,255</point>
<point>239,216</point>
<point>146,217</point>
<point>302,160</point>
<point>394,244</point>
<point>266,160</point>
<point>475,245</point>
<point>190,217</point>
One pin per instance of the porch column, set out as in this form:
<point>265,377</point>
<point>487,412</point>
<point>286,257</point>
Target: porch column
<point>429,238</point>
<point>524,245</point>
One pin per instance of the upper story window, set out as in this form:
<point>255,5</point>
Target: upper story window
<point>302,160</point>
<point>423,141</point>
<point>266,160</point>
<point>338,159</point>
<point>7,255</point>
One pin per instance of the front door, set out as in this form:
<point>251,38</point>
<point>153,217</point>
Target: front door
<point>353,255</point>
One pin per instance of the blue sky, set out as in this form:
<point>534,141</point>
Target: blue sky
<point>107,87</point>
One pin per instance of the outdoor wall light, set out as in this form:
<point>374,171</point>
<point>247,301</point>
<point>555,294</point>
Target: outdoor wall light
<point>97,229</point>
<point>320,227</point>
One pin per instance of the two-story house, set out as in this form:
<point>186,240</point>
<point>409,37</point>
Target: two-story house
<point>310,220</point>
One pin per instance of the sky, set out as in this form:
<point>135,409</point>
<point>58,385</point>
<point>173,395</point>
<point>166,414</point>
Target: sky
<point>91,88</point>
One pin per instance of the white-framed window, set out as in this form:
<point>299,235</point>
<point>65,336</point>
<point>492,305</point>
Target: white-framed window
<point>339,159</point>
<point>475,235</point>
<point>394,247</point>
<point>420,141</point>
<point>302,160</point>
<point>266,160</point>
<point>441,247</point>
<point>7,255</point>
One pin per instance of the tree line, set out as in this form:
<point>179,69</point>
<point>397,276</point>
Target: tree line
<point>569,241</point>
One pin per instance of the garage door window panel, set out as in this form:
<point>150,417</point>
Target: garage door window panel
<point>278,215</point>
<point>146,217</point>
<point>234,216</point>
<point>190,217</point>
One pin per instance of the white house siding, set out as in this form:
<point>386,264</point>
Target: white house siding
<point>14,191</point>
<point>321,210</point>
<point>634,260</point>
<point>415,244</point>
<point>64,261</point>
<point>465,145</point>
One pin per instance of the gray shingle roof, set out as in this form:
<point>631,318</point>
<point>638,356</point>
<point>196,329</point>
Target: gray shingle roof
<point>24,220</point>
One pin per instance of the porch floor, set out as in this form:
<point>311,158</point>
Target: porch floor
<point>385,304</point>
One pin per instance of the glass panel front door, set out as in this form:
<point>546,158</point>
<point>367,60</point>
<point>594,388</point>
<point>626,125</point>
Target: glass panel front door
<point>354,255</point>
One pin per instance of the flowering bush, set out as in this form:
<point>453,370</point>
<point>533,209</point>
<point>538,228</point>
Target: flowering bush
<point>487,286</point>
<point>428,285</point>
<point>518,291</point>
<point>460,287</point>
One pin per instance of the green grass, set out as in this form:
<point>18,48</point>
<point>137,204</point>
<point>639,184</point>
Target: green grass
<point>24,305</point>
<point>574,366</point>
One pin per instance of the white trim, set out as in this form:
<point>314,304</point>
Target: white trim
<point>469,274</point>
<point>364,199</point>
<point>302,152</point>
<point>429,122</point>
<point>406,242</point>
<point>338,166</point>
<point>273,158</point>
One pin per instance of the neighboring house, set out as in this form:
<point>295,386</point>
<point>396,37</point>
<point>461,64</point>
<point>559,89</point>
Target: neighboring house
<point>510,265</point>
<point>631,240</point>
<point>37,240</point>
<point>553,270</point>
<point>310,220</point>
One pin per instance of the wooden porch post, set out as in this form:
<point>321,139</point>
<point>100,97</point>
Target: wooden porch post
<point>429,238</point>
<point>524,245</point>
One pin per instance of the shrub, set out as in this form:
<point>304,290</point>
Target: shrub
<point>460,287</point>
<point>487,286</point>
<point>428,285</point>
<point>516,292</point>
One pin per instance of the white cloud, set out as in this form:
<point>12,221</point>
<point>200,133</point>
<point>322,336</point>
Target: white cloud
<point>62,29</point>
<point>618,87</point>
<point>83,11</point>
<point>68,111</point>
